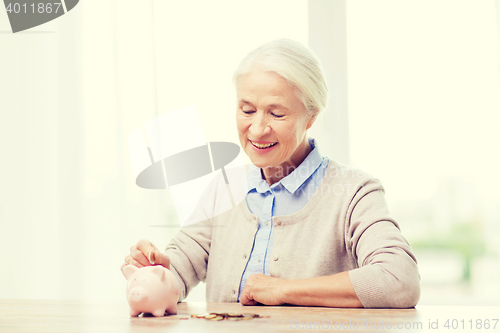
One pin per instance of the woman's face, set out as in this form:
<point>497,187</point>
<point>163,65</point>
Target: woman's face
<point>271,120</point>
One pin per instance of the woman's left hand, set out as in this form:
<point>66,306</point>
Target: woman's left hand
<point>264,289</point>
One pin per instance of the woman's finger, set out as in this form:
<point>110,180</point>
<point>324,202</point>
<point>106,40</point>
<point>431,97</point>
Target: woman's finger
<point>146,247</point>
<point>245,300</point>
<point>136,263</point>
<point>161,259</point>
<point>139,257</point>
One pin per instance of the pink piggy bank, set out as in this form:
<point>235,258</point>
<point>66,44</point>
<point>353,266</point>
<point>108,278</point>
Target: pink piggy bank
<point>151,289</point>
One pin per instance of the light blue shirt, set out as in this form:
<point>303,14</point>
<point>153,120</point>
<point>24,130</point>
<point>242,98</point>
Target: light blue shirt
<point>285,197</point>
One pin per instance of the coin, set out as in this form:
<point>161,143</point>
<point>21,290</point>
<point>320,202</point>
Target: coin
<point>202,315</point>
<point>151,257</point>
<point>216,316</point>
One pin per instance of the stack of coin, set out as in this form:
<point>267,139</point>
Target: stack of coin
<point>216,316</point>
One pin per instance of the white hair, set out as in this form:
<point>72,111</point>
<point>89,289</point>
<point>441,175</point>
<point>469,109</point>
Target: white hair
<point>296,64</point>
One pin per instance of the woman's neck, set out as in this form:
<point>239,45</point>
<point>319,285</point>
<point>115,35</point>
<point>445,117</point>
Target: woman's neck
<point>274,174</point>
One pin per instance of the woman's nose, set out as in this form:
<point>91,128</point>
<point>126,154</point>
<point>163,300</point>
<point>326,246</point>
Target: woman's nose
<point>259,127</point>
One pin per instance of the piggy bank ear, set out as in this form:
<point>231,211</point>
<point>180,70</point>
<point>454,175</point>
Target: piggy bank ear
<point>129,270</point>
<point>160,271</point>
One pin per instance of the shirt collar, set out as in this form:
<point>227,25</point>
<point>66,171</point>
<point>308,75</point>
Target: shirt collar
<point>291,182</point>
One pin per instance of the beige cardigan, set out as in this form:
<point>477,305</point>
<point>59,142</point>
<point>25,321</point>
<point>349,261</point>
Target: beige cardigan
<point>345,226</point>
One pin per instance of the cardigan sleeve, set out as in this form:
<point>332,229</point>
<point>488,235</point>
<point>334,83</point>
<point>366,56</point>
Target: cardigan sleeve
<point>387,274</point>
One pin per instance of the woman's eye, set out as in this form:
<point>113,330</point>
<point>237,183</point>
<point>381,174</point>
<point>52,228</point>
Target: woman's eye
<point>248,111</point>
<point>277,115</point>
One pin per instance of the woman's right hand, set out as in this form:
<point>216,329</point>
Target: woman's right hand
<point>139,254</point>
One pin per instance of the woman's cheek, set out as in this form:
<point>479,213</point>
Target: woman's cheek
<point>240,125</point>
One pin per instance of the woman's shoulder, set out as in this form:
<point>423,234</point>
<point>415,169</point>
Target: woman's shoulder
<point>355,177</point>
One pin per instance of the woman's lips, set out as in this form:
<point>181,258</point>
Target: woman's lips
<point>262,147</point>
<point>263,144</point>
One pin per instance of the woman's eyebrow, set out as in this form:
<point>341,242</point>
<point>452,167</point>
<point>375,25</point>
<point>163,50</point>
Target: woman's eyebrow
<point>278,106</point>
<point>274,105</point>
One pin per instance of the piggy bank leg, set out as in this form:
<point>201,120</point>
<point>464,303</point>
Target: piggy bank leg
<point>134,313</point>
<point>158,313</point>
<point>172,309</point>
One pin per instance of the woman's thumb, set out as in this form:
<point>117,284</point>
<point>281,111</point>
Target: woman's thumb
<point>162,259</point>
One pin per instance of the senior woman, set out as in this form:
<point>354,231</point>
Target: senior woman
<point>311,232</point>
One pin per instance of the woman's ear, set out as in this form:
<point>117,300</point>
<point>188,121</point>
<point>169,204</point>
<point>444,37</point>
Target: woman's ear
<point>312,120</point>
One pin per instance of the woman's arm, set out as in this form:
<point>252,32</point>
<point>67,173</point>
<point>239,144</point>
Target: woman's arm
<point>334,291</point>
<point>328,291</point>
<point>387,274</point>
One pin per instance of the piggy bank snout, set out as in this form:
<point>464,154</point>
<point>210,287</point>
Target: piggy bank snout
<point>138,294</point>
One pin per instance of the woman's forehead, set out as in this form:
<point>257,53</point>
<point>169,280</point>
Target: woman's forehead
<point>264,99</point>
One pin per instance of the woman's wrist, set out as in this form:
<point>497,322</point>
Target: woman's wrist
<point>285,291</point>
<point>292,290</point>
<point>331,291</point>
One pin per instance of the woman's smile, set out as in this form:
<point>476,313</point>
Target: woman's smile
<point>263,145</point>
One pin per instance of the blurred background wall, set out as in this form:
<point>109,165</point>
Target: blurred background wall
<point>414,101</point>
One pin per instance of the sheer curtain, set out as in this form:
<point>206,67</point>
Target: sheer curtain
<point>71,92</point>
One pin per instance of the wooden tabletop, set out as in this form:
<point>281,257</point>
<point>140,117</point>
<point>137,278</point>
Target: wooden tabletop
<point>76,316</point>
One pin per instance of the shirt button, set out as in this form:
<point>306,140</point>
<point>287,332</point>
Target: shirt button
<point>234,292</point>
<point>244,256</point>
<point>258,259</point>
<point>266,223</point>
<point>276,258</point>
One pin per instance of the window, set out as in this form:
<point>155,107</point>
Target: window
<point>424,114</point>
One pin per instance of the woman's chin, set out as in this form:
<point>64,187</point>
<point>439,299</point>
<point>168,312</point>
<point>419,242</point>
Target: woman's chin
<point>261,159</point>
<point>259,163</point>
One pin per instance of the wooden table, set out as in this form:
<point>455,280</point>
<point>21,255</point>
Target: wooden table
<point>75,316</point>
